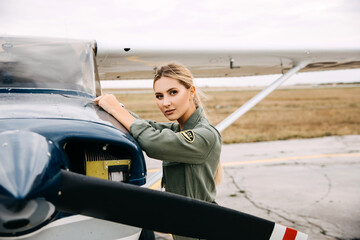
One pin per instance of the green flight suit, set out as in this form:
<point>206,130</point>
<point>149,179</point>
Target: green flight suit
<point>190,156</point>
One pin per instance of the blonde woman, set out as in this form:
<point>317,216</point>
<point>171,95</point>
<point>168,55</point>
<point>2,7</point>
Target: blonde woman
<point>189,148</point>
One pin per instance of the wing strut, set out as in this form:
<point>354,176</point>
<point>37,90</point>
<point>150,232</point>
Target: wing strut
<point>260,96</point>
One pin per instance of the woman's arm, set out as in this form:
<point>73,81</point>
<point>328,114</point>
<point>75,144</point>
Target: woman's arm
<point>160,126</point>
<point>111,105</point>
<point>174,146</point>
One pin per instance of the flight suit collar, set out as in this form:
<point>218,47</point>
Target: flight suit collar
<point>193,119</point>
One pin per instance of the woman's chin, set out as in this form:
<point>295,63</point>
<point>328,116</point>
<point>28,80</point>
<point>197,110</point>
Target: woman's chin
<point>171,118</point>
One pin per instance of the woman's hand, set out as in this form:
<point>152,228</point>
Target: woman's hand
<point>108,102</point>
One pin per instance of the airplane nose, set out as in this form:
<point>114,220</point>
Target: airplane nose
<point>28,164</point>
<point>24,156</point>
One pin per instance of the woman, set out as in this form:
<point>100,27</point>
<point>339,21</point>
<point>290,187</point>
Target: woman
<point>190,149</point>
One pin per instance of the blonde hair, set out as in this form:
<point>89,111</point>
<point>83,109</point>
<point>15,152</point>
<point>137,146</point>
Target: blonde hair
<point>183,75</point>
<point>219,175</point>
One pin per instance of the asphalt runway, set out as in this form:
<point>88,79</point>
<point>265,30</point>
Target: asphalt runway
<point>312,185</point>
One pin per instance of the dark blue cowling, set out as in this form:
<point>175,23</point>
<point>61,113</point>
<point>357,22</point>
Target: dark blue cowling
<point>35,130</point>
<point>50,125</point>
<point>63,118</point>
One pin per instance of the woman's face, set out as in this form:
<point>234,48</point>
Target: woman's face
<point>174,100</point>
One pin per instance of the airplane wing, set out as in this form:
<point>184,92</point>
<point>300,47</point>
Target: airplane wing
<point>116,63</point>
<point>120,64</point>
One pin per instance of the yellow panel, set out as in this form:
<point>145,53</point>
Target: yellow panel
<point>108,163</point>
<point>96,169</point>
<point>99,169</point>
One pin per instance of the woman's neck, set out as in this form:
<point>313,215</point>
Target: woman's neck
<point>183,119</point>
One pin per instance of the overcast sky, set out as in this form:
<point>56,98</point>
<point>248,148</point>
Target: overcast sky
<point>189,24</point>
<point>210,23</point>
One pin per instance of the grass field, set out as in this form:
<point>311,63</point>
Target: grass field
<point>284,114</point>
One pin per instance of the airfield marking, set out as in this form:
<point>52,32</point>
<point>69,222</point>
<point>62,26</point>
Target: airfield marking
<point>279,159</point>
<point>292,158</point>
<point>156,185</point>
<point>136,59</point>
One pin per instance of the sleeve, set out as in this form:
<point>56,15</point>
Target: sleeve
<point>154,124</point>
<point>161,126</point>
<point>191,146</point>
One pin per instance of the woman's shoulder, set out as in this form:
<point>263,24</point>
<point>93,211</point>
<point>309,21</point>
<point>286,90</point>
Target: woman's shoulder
<point>207,129</point>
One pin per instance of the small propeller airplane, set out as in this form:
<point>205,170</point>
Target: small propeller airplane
<point>69,170</point>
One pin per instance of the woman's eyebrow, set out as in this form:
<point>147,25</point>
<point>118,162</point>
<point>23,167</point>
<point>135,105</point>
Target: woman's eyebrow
<point>171,89</point>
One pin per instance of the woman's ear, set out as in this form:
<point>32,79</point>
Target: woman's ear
<point>192,91</point>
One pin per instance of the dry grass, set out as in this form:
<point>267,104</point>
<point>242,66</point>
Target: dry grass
<point>284,114</point>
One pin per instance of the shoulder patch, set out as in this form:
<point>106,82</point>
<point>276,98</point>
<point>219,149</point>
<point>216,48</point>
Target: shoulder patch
<point>188,135</point>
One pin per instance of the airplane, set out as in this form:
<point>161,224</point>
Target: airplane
<point>70,170</point>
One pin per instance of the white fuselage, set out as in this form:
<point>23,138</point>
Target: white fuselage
<point>81,227</point>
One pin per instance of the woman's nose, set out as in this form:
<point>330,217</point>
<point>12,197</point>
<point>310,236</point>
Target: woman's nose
<point>166,101</point>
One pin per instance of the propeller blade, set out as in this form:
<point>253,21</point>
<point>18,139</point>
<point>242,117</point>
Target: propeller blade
<point>159,211</point>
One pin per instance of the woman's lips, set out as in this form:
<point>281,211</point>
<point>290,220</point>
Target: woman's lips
<point>169,112</point>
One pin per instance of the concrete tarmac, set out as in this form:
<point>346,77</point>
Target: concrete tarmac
<point>312,185</point>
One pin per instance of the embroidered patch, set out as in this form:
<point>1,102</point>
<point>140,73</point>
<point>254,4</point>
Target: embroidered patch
<point>188,135</point>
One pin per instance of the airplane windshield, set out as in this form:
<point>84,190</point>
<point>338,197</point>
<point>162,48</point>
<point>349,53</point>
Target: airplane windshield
<point>50,64</point>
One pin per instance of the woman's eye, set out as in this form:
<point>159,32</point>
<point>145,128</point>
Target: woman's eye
<point>173,92</point>
<point>158,96</point>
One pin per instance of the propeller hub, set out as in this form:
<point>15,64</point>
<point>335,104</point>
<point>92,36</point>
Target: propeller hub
<point>24,156</point>
<point>28,165</point>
